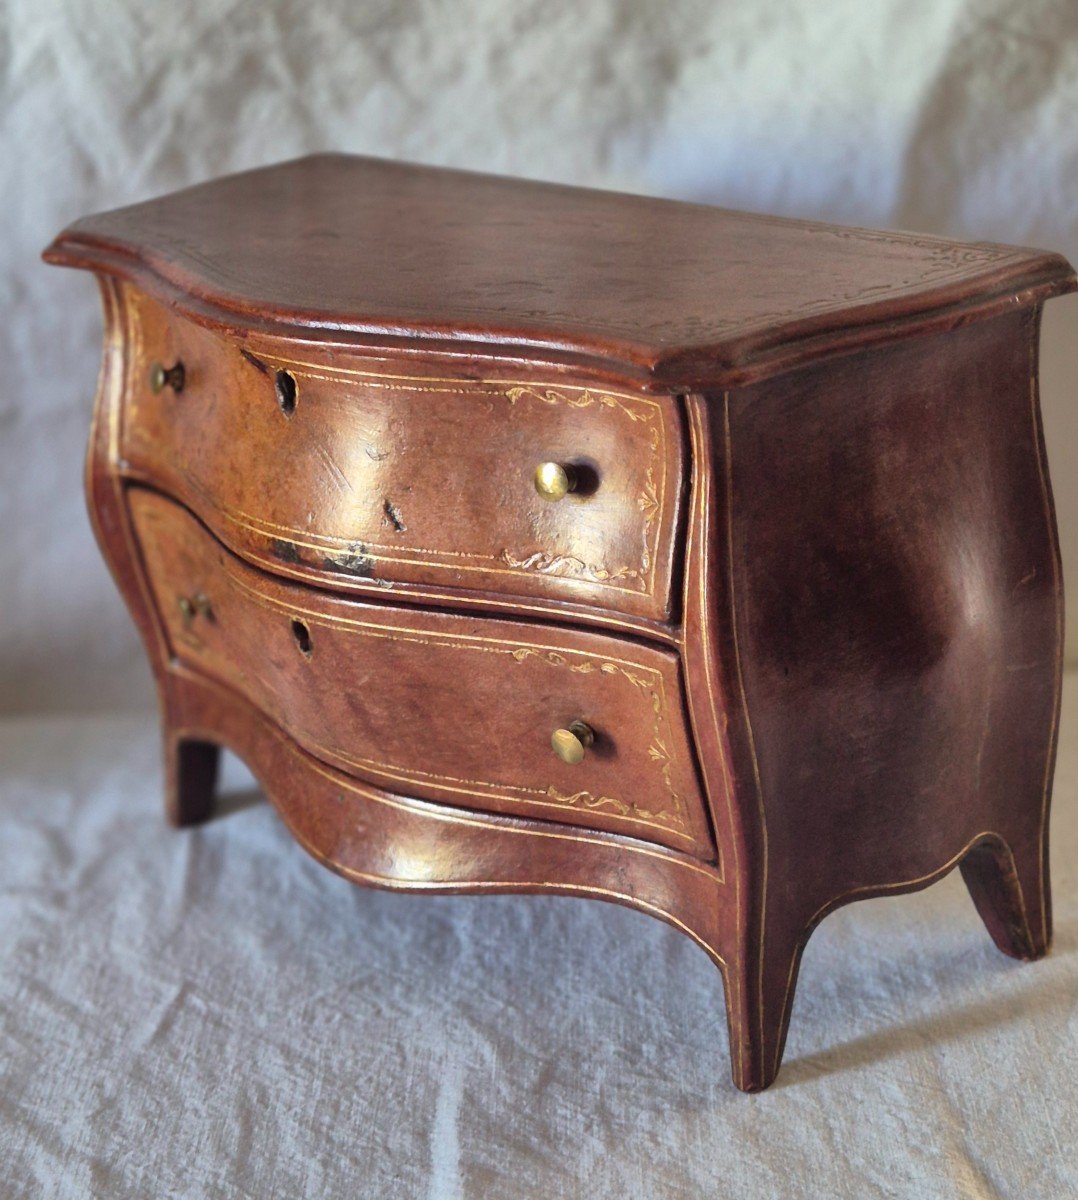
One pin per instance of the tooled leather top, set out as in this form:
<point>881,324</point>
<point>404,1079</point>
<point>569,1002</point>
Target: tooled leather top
<point>678,296</point>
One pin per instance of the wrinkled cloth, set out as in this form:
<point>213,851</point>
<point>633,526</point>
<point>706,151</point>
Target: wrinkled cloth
<point>953,117</point>
<point>211,1013</point>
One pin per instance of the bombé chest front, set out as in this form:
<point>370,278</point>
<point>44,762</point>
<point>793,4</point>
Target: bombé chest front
<point>529,538</point>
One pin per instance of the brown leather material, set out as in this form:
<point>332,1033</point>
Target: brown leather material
<point>682,297</point>
<point>909,597</point>
<point>894,604</point>
<point>379,839</point>
<point>841,679</point>
<point>382,476</point>
<point>435,704</point>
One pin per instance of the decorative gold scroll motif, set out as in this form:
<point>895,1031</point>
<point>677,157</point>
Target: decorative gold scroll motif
<point>657,751</point>
<point>647,501</point>
<point>647,679</point>
<point>567,566</point>
<point>560,564</point>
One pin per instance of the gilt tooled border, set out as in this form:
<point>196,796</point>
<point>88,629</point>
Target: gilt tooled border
<point>565,566</point>
<point>571,568</point>
<point>946,262</point>
<point>670,820</point>
<point>1057,592</point>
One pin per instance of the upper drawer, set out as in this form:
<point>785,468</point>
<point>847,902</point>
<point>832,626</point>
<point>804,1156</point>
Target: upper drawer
<point>356,474</point>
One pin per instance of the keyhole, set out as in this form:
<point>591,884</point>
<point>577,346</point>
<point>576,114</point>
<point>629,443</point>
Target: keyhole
<point>285,386</point>
<point>303,637</point>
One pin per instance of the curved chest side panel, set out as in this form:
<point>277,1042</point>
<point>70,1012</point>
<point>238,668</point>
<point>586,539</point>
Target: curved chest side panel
<point>898,594</point>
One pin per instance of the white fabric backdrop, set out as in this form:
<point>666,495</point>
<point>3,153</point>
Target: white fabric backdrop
<point>949,116</point>
<point>212,1014</point>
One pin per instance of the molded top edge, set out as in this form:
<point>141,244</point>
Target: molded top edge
<point>676,296</point>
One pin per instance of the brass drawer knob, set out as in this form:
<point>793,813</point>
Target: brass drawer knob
<point>554,481</point>
<point>162,377</point>
<point>571,744</point>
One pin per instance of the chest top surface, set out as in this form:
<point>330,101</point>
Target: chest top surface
<point>680,296</point>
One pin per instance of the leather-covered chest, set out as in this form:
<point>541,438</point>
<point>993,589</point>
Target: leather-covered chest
<point>526,538</point>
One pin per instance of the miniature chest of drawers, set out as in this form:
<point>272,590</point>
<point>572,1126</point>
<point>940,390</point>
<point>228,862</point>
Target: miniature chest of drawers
<point>523,538</point>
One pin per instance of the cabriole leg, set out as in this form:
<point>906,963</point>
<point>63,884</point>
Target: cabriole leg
<point>1011,892</point>
<point>759,998</point>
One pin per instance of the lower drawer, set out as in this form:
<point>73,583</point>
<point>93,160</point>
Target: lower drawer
<point>440,706</point>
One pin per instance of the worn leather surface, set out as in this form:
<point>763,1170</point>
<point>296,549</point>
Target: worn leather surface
<point>388,472</point>
<point>899,628</point>
<point>433,704</point>
<point>687,296</point>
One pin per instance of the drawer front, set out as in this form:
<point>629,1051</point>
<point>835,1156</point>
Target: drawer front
<point>441,706</point>
<point>368,475</point>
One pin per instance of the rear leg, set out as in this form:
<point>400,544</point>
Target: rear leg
<point>191,768</point>
<point>1010,889</point>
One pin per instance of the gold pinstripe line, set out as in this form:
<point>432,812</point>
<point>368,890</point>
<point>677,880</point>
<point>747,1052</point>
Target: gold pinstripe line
<point>1057,589</point>
<point>430,809</point>
<point>728,455</point>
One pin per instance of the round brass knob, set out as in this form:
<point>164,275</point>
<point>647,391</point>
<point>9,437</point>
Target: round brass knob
<point>554,481</point>
<point>570,744</point>
<point>162,377</point>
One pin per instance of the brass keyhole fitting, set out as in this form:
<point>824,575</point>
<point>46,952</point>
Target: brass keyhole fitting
<point>571,744</point>
<point>190,607</point>
<point>302,637</point>
<point>162,377</point>
<point>554,481</point>
<point>284,385</point>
